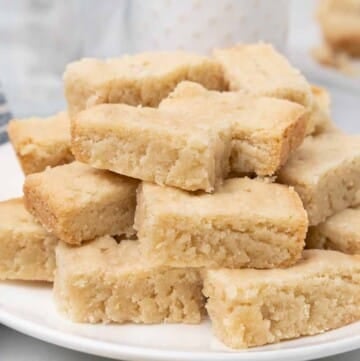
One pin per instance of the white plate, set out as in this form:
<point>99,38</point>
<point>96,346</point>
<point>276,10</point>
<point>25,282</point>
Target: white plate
<point>28,308</point>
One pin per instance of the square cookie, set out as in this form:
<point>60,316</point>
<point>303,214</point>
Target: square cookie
<point>78,203</point>
<point>103,281</point>
<point>265,131</point>
<point>41,142</point>
<point>325,171</point>
<point>141,79</point>
<point>238,226</point>
<point>153,145</point>
<point>27,251</point>
<point>319,117</point>
<point>258,69</point>
<point>339,232</point>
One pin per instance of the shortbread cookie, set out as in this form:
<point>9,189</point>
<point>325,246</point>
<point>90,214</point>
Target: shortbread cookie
<point>142,79</point>
<point>325,171</point>
<point>78,203</point>
<point>41,142</point>
<point>239,225</point>
<point>343,62</point>
<point>340,24</point>
<point>265,130</point>
<point>103,281</point>
<point>258,69</point>
<point>340,232</point>
<point>27,251</point>
<point>257,307</point>
<point>153,145</point>
<point>319,118</point>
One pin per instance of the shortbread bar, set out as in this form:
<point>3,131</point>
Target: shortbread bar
<point>153,145</point>
<point>319,119</point>
<point>104,281</point>
<point>340,232</point>
<point>245,223</point>
<point>41,142</point>
<point>142,79</point>
<point>257,307</point>
<point>27,251</point>
<point>258,69</point>
<point>265,130</point>
<point>325,171</point>
<point>78,203</point>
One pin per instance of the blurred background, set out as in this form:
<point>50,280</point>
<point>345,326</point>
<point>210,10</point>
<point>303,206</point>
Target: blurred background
<point>39,37</point>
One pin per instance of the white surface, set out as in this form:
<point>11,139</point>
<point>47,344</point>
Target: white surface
<point>201,25</point>
<point>18,347</point>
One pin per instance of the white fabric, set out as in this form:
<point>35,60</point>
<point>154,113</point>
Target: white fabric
<point>39,37</point>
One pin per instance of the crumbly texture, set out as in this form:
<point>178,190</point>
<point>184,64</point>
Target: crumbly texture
<point>41,142</point>
<point>340,232</point>
<point>104,282</point>
<point>27,251</point>
<point>258,69</point>
<point>340,24</point>
<point>319,118</point>
<point>325,171</point>
<point>237,226</point>
<point>265,131</point>
<point>78,203</point>
<point>257,307</point>
<point>153,145</point>
<point>142,79</point>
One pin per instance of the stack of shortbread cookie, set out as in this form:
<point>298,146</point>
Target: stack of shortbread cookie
<point>178,184</point>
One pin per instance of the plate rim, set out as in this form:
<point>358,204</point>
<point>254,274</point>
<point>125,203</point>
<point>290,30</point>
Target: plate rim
<point>133,353</point>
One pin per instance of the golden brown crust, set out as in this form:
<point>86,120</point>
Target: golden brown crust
<point>239,222</point>
<point>27,251</point>
<point>78,203</point>
<point>142,79</point>
<point>156,146</point>
<point>257,307</point>
<point>340,232</point>
<point>41,142</point>
<point>103,281</point>
<point>258,69</point>
<point>265,130</point>
<point>325,171</point>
